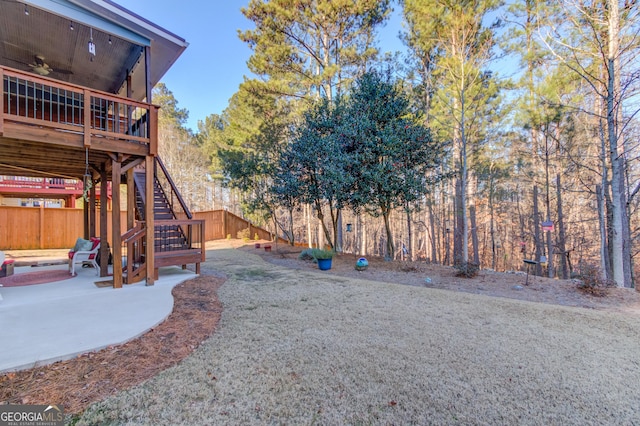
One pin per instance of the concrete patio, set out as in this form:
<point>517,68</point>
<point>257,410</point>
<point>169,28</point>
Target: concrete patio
<point>44,323</point>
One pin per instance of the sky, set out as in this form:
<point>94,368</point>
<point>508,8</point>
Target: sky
<point>210,70</point>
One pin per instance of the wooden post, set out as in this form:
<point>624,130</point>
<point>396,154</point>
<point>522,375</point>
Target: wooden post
<point>92,209</point>
<point>87,220</point>
<point>116,237</point>
<point>87,118</point>
<point>42,225</point>
<point>2,102</point>
<point>150,222</point>
<point>224,224</point>
<point>131,200</point>
<point>104,252</point>
<point>153,130</point>
<point>129,93</point>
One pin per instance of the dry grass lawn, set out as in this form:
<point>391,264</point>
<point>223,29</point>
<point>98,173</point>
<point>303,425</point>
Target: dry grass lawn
<point>302,347</point>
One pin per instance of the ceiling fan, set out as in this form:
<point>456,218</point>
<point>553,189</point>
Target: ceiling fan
<point>39,66</point>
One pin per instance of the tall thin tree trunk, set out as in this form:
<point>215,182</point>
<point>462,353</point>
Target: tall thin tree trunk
<point>492,227</point>
<point>549,235</point>
<point>307,211</point>
<point>458,229</point>
<point>536,231</point>
<point>474,234</point>
<point>409,232</point>
<point>432,224</point>
<point>472,217</point>
<point>621,260</point>
<point>363,237</point>
<point>602,222</point>
<point>561,233</point>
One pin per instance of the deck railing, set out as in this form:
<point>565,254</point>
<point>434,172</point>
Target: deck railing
<point>30,99</point>
<point>134,253</point>
<point>170,190</point>
<point>39,183</point>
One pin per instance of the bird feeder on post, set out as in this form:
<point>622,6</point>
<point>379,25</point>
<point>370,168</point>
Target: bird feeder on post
<point>547,226</point>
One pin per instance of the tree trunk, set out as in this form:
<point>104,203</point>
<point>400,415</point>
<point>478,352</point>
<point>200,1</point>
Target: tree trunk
<point>536,231</point>
<point>432,224</point>
<point>604,250</point>
<point>338,229</point>
<point>363,238</point>
<point>561,233</point>
<point>474,234</point>
<point>307,210</point>
<point>458,228</point>
<point>491,227</point>
<point>617,190</point>
<point>621,260</point>
<point>390,251</point>
<point>409,232</point>
<point>549,235</point>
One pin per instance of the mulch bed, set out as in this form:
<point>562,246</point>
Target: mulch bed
<point>36,277</point>
<point>91,377</point>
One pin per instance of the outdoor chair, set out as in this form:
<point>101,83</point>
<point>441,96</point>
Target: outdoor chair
<point>80,255</point>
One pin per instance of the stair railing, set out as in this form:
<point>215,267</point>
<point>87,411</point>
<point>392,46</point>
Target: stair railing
<point>133,250</point>
<point>166,182</point>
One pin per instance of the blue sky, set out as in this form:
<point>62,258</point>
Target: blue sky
<point>209,72</point>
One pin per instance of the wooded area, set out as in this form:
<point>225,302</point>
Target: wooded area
<point>522,118</point>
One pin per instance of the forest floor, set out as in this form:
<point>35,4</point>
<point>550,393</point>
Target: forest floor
<point>514,285</point>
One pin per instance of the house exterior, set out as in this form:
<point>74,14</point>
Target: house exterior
<point>77,79</point>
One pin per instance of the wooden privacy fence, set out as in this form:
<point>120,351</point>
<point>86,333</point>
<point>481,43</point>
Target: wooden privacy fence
<point>34,228</point>
<point>220,223</point>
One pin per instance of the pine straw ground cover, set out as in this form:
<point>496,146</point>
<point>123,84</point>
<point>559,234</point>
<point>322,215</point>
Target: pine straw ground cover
<point>303,347</point>
<point>93,376</point>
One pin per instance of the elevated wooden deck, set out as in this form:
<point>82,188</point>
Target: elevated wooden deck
<point>38,114</point>
<point>52,129</point>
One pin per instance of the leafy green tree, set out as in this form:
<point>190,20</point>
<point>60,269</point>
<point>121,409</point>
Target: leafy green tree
<point>314,165</point>
<point>392,153</point>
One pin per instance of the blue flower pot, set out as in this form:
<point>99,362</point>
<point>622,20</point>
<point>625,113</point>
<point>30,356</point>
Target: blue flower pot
<point>324,264</point>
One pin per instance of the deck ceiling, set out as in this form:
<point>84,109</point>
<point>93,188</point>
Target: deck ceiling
<point>23,37</point>
<point>120,37</point>
<point>42,28</point>
<point>21,158</point>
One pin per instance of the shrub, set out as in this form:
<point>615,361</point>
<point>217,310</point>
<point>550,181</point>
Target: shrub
<point>306,254</point>
<point>315,254</point>
<point>323,254</point>
<point>244,234</point>
<point>591,281</point>
<point>467,269</point>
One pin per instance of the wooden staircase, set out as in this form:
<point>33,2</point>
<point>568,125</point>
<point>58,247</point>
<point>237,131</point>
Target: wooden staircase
<point>178,240</point>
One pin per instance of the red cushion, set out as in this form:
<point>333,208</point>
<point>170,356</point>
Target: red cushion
<point>8,262</point>
<point>95,242</point>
